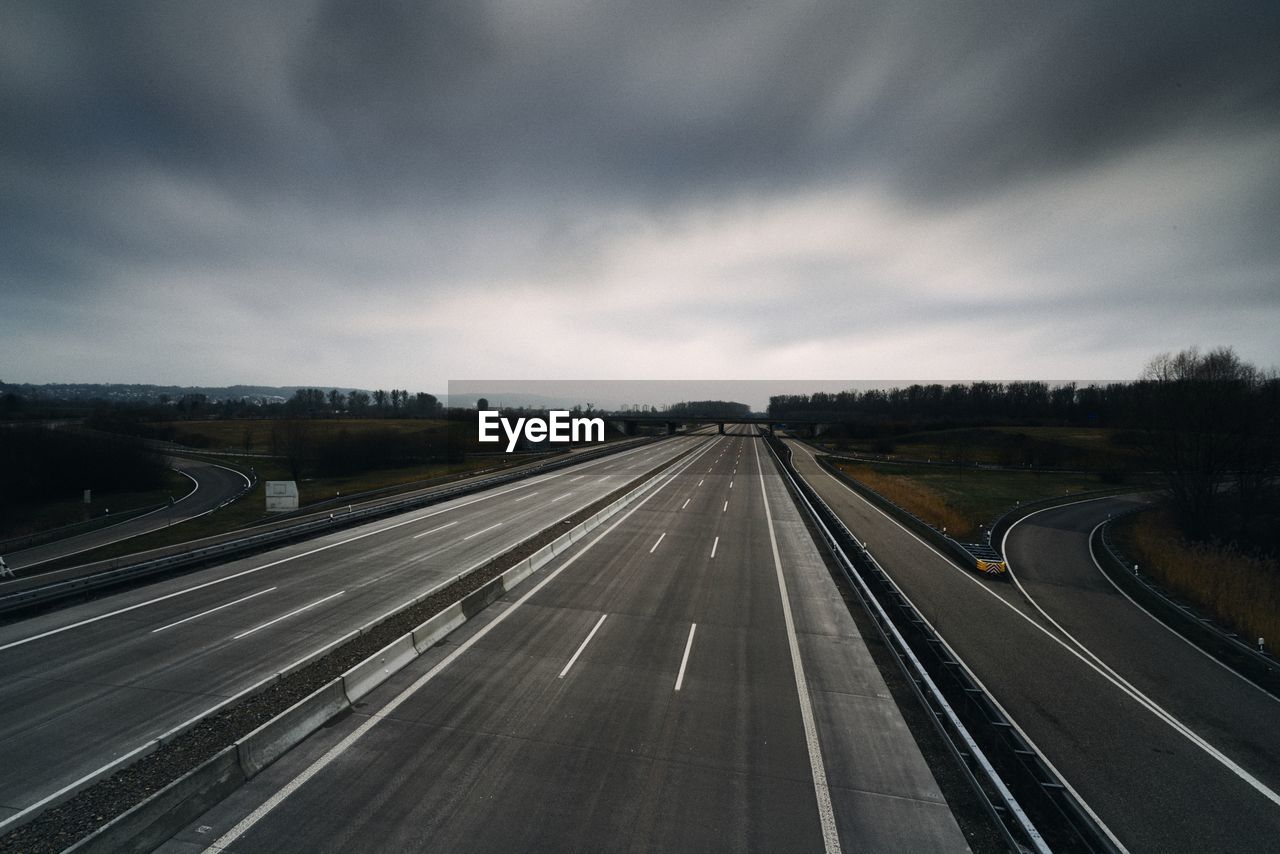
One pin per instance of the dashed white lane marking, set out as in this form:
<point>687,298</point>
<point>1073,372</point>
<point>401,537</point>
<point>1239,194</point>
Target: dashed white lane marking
<point>684,662</point>
<point>714,545</point>
<point>264,809</point>
<point>211,610</point>
<point>726,507</point>
<point>450,525</point>
<point>483,531</point>
<point>700,482</point>
<point>686,503</point>
<point>655,545</point>
<point>566,495</point>
<point>290,614</point>
<point>592,634</point>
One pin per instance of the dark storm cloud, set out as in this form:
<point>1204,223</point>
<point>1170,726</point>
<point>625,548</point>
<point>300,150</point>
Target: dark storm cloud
<point>424,150</point>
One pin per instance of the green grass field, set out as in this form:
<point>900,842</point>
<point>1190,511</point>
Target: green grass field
<point>251,509</point>
<point>1093,449</point>
<point>964,500</point>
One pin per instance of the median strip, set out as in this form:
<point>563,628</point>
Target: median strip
<point>164,763</point>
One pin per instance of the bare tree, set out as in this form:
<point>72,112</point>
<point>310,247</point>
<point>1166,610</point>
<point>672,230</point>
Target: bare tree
<point>1208,427</point>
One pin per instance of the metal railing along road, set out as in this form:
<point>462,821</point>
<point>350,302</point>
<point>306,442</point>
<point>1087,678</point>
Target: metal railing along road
<point>42,595</point>
<point>1032,808</point>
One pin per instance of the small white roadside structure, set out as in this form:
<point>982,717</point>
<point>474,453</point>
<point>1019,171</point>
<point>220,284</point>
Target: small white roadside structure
<point>282,496</point>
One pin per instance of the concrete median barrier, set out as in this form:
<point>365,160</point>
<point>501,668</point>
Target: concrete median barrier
<point>429,633</point>
<point>379,667</point>
<point>148,825</point>
<point>265,744</point>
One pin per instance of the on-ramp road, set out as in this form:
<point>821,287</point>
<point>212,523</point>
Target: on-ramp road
<point>212,485</point>
<point>1171,752</point>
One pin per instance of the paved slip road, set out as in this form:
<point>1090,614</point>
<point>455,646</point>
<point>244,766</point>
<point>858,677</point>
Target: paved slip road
<point>212,485</point>
<point>89,683</point>
<point>638,693</point>
<point>1171,752</point>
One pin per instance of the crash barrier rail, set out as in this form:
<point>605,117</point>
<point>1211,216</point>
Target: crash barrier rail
<point>40,538</point>
<point>1032,807</point>
<point>1223,644</point>
<point>149,824</point>
<point>45,594</point>
<point>971,556</point>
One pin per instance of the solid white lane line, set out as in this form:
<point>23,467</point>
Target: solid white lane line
<point>686,503</point>
<point>1108,673</point>
<point>211,610</point>
<point>290,614</point>
<point>826,815</point>
<point>341,747</point>
<point>714,545</point>
<point>726,507</point>
<point>684,662</point>
<point>483,531</point>
<point>592,634</point>
<point>530,495</point>
<point>655,545</point>
<point>1168,628</point>
<point>442,527</point>
<point>308,553</point>
<point>1132,692</point>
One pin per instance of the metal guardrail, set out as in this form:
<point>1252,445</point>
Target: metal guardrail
<point>1220,642</point>
<point>39,538</point>
<point>75,529</point>
<point>1031,805</point>
<point>46,594</point>
<point>965,554</point>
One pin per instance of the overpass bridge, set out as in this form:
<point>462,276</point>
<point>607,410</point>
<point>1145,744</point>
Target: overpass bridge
<point>631,422</point>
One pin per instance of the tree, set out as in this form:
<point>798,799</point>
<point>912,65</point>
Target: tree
<point>358,402</point>
<point>1208,426</point>
<point>336,400</point>
<point>380,400</point>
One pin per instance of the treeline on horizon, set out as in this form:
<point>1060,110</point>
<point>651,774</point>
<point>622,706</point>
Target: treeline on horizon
<point>1208,423</point>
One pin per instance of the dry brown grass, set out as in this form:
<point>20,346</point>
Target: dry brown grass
<point>1241,591</point>
<point>909,494</point>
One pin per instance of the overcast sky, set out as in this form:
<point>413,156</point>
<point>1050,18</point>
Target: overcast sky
<point>373,194</point>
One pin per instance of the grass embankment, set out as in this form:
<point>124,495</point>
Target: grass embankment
<point>264,435</point>
<point>34,518</point>
<point>1240,591</point>
<point>1087,448</point>
<point>251,509</point>
<point>962,501</point>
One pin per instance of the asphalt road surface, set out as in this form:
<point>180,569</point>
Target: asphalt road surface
<point>687,680</point>
<point>1170,751</point>
<point>212,485</point>
<point>86,684</point>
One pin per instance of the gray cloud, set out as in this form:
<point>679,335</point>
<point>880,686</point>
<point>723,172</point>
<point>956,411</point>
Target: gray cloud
<point>746,183</point>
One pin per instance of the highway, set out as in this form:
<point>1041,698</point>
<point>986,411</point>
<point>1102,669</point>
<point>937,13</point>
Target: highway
<point>212,484</point>
<point>1170,751</point>
<point>687,679</point>
<point>88,683</point>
